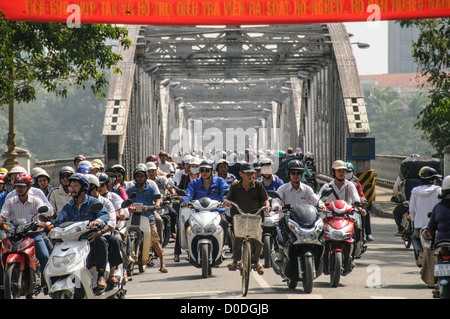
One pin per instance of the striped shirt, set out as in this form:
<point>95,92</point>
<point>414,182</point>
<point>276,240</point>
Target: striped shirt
<point>14,208</point>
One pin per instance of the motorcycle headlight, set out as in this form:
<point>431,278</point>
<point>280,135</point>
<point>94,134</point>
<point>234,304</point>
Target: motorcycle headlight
<point>211,229</point>
<point>61,261</point>
<point>57,233</point>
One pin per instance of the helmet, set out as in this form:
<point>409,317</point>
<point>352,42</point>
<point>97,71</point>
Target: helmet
<point>446,183</point>
<point>162,153</point>
<point>83,169</point>
<point>427,172</point>
<point>85,163</point>
<point>119,168</point>
<point>295,164</point>
<point>66,170</point>
<point>206,164</point>
<point>93,180</point>
<point>41,173</point>
<point>81,178</point>
<point>140,169</point>
<point>187,158</point>
<point>18,169</point>
<point>103,179</point>
<point>339,165</point>
<point>79,158</point>
<point>2,178</point>
<point>23,180</point>
<point>266,161</point>
<point>256,164</point>
<point>151,165</point>
<point>221,161</point>
<point>97,163</point>
<point>350,167</point>
<point>194,161</point>
<point>3,171</point>
<point>151,158</point>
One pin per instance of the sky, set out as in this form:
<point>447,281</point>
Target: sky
<point>375,34</point>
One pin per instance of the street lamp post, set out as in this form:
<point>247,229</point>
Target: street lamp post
<point>10,155</point>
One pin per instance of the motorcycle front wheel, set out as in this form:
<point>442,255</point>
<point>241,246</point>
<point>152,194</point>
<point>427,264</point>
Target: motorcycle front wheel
<point>335,265</point>
<point>308,274</point>
<point>12,281</point>
<point>267,250</point>
<point>205,260</point>
<point>64,294</point>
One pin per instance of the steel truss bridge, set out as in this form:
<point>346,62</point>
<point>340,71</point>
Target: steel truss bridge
<point>193,87</point>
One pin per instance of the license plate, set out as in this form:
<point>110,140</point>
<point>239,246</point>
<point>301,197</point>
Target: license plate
<point>442,270</point>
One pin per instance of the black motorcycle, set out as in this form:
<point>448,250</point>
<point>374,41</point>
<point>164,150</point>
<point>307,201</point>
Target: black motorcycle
<point>300,245</point>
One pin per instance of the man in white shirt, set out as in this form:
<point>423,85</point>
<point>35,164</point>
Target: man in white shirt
<point>294,192</point>
<point>342,189</point>
<point>164,164</point>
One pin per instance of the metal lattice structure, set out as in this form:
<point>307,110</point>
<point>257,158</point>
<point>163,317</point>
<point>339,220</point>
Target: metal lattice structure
<point>299,82</point>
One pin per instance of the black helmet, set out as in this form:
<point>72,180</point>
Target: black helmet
<point>427,172</point>
<point>206,164</point>
<point>103,178</point>
<point>66,170</point>
<point>295,164</point>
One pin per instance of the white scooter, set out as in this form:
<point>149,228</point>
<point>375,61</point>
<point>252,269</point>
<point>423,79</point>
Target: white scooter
<point>201,234</point>
<point>66,273</point>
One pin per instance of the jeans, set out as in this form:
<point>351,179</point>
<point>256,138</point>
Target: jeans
<point>415,239</point>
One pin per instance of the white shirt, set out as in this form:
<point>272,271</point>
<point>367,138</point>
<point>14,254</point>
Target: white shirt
<point>303,195</point>
<point>13,208</point>
<point>347,193</point>
<point>166,168</point>
<point>111,211</point>
<point>33,191</point>
<point>422,201</point>
<point>177,177</point>
<point>116,200</point>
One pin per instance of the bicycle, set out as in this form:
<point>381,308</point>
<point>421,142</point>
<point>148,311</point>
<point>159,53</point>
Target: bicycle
<point>246,226</point>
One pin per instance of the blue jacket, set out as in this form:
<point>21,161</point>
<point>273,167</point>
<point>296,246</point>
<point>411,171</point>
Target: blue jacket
<point>196,189</point>
<point>145,197</point>
<point>70,212</point>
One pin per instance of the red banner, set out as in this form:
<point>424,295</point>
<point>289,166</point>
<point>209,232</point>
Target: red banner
<point>220,12</point>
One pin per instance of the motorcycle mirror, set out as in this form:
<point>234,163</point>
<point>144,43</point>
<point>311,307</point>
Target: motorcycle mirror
<point>429,215</point>
<point>326,192</point>
<point>157,196</point>
<point>96,207</point>
<point>394,199</point>
<point>126,203</point>
<point>44,218</point>
<point>42,209</point>
<point>181,192</point>
<point>273,194</point>
<point>132,196</point>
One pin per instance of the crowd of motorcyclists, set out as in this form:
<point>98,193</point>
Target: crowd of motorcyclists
<point>242,178</point>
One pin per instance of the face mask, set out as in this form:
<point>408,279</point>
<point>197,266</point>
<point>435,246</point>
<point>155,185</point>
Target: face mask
<point>348,176</point>
<point>265,169</point>
<point>195,170</point>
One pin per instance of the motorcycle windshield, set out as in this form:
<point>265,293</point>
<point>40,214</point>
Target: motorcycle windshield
<point>304,215</point>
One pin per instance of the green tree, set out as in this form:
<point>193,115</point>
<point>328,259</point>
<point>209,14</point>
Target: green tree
<point>431,52</point>
<point>54,57</point>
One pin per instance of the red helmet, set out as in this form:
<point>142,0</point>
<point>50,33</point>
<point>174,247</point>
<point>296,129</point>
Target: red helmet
<point>2,178</point>
<point>23,180</point>
<point>151,158</point>
<point>162,153</point>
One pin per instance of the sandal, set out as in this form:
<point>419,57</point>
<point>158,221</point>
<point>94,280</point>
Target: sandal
<point>232,266</point>
<point>113,281</point>
<point>176,258</point>
<point>259,269</point>
<point>163,270</point>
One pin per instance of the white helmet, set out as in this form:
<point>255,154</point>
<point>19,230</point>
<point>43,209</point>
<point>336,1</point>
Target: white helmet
<point>446,183</point>
<point>195,161</point>
<point>151,165</point>
<point>18,169</point>
<point>85,163</point>
<point>93,180</point>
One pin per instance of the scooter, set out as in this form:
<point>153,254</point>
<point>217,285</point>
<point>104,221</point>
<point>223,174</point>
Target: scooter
<point>442,267</point>
<point>202,233</point>
<point>300,245</point>
<point>138,227</point>
<point>268,237</point>
<point>339,240</point>
<point>67,274</point>
<point>22,271</point>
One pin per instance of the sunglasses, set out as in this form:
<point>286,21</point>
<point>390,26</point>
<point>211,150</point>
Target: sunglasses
<point>65,176</point>
<point>204,170</point>
<point>296,173</point>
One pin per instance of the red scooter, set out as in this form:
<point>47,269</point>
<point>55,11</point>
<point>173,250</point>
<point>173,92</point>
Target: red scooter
<point>21,271</point>
<point>339,230</point>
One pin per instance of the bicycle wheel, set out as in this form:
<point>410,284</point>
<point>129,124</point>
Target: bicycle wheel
<point>245,266</point>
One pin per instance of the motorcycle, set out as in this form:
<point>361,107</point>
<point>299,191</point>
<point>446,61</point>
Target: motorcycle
<point>22,274</point>
<point>341,242</point>
<point>407,223</point>
<point>300,245</point>
<point>138,227</point>
<point>67,273</point>
<point>268,237</point>
<point>201,233</point>
<point>442,268</point>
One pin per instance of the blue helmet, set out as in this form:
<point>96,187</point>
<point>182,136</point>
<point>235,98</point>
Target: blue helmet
<point>349,166</point>
<point>80,178</point>
<point>84,170</point>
